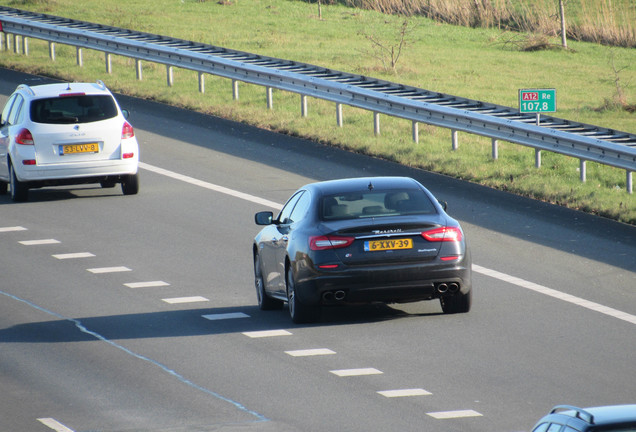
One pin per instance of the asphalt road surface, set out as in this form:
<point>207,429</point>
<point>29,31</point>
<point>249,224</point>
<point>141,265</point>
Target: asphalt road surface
<point>138,313</point>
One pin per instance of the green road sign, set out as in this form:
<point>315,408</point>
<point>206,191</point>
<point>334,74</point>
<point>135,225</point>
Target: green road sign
<point>537,100</point>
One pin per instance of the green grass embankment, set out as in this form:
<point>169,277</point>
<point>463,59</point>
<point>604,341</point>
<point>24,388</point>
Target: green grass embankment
<point>472,63</point>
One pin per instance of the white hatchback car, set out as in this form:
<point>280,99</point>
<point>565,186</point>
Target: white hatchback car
<point>64,134</point>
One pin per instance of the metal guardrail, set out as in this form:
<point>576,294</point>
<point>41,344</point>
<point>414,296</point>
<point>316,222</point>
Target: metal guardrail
<point>582,141</point>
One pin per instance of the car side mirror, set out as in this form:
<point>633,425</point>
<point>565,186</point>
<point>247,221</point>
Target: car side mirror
<point>444,204</point>
<point>264,218</point>
<point>125,113</point>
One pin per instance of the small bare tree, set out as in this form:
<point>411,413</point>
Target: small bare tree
<point>389,52</point>
<point>564,41</point>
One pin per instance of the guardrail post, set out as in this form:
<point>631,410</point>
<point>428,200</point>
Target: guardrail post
<point>303,105</point>
<point>109,68</point>
<point>537,158</point>
<point>628,181</point>
<point>339,114</point>
<point>201,82</point>
<point>3,36</point>
<point>270,101</point>
<point>376,123</point>
<point>138,69</point>
<point>495,149</point>
<point>52,50</point>
<point>25,45</point>
<point>9,40</point>
<point>80,60</point>
<point>235,90</point>
<point>583,170</point>
<point>16,44</point>
<point>454,139</point>
<point>415,130</point>
<point>169,75</point>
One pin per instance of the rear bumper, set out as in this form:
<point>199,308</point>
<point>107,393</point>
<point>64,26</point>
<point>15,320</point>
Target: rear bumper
<point>388,284</point>
<point>58,174</point>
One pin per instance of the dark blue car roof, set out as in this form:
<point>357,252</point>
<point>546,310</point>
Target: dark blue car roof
<point>362,183</point>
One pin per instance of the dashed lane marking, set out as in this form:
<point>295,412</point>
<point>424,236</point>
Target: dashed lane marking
<point>267,333</point>
<point>310,352</point>
<point>356,372</point>
<point>193,299</point>
<point>443,415</point>
<point>73,255</point>
<point>54,424</point>
<point>149,284</point>
<point>13,228</point>
<point>404,393</point>
<point>39,242</point>
<point>224,316</point>
<point>108,269</point>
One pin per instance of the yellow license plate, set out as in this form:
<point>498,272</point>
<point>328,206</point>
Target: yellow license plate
<point>392,244</point>
<point>80,148</point>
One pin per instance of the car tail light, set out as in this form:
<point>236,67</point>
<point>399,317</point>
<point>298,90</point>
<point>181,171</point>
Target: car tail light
<point>72,94</point>
<point>128,155</point>
<point>127,131</point>
<point>329,242</point>
<point>452,234</point>
<point>28,162</point>
<point>24,137</point>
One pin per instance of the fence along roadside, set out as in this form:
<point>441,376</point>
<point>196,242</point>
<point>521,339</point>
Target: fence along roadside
<point>582,141</point>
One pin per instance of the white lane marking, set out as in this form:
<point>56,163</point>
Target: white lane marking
<point>310,352</point>
<point>108,269</point>
<point>543,290</point>
<point>149,284</point>
<point>13,228</point>
<point>54,424</point>
<point>556,294</point>
<point>39,242</point>
<point>210,186</point>
<point>73,255</point>
<point>404,393</point>
<point>224,316</point>
<point>356,372</point>
<point>192,299</point>
<point>171,372</point>
<point>441,415</point>
<point>267,333</point>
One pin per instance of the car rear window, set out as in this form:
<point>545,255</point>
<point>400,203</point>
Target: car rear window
<point>375,203</point>
<point>73,109</point>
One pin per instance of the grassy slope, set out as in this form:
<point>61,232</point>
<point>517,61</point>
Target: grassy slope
<point>471,63</point>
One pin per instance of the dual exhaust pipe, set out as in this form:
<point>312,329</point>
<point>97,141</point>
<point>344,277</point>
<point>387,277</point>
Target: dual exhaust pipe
<point>450,287</point>
<point>331,296</point>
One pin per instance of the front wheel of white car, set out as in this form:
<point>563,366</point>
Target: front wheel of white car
<point>19,191</point>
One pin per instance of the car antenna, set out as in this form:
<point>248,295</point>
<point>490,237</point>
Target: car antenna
<point>370,186</point>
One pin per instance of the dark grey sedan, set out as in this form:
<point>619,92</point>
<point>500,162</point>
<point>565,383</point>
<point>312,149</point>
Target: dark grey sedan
<point>360,240</point>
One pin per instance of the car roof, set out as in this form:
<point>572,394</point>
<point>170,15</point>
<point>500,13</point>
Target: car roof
<point>56,89</point>
<point>357,184</point>
<point>613,414</point>
<point>593,416</point>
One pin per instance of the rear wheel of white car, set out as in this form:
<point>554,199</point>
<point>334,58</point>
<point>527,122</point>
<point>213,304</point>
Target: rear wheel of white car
<point>130,184</point>
<point>4,188</point>
<point>19,191</point>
